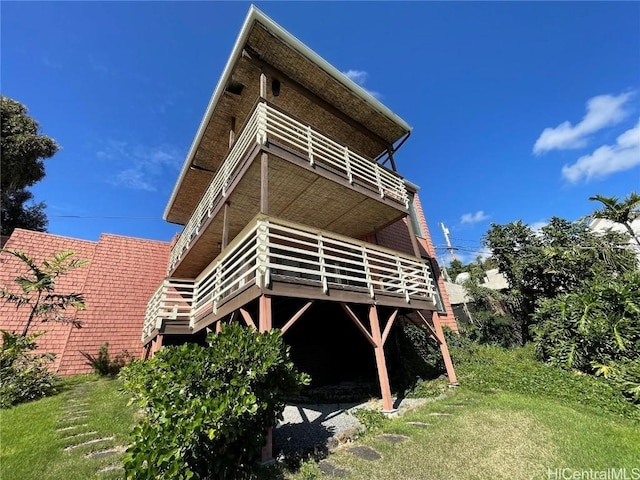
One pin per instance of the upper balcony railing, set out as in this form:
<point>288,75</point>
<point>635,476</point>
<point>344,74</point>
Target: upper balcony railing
<point>267,122</point>
<point>171,301</point>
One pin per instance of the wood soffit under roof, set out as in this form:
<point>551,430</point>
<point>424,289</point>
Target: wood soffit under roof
<point>213,147</point>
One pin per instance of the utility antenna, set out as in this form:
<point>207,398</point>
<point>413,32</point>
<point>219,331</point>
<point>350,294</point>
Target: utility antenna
<point>445,230</point>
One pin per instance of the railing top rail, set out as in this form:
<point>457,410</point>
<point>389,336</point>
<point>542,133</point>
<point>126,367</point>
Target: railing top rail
<point>297,227</point>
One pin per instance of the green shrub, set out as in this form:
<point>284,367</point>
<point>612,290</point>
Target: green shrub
<point>372,420</point>
<point>103,365</point>
<point>207,408</point>
<point>595,328</point>
<point>24,375</point>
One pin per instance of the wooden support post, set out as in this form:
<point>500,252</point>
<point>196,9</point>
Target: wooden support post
<point>265,313</point>
<point>264,184</point>
<point>383,376</point>
<point>265,321</point>
<point>393,162</point>
<point>451,373</point>
<point>156,345</point>
<point>247,318</point>
<point>295,317</point>
<point>225,226</point>
<point>218,326</point>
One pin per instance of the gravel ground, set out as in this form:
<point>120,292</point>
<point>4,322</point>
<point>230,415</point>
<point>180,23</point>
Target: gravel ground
<point>320,426</point>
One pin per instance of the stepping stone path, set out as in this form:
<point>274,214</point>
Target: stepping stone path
<point>366,453</point>
<point>332,470</point>
<point>419,424</point>
<point>392,438</point>
<point>76,436</point>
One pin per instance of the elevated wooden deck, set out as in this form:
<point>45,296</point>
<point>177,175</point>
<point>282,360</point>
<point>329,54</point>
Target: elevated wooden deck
<point>276,257</point>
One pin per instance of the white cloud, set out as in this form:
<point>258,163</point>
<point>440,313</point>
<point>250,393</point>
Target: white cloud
<point>142,166</point>
<point>602,111</point>
<point>537,226</point>
<point>472,218</point>
<point>608,159</point>
<point>360,77</point>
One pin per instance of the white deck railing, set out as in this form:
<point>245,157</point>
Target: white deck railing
<point>267,122</point>
<point>171,301</point>
<point>272,249</point>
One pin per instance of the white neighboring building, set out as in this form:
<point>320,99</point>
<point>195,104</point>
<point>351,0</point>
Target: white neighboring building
<point>493,279</point>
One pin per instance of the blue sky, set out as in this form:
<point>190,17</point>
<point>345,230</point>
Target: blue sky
<point>519,110</point>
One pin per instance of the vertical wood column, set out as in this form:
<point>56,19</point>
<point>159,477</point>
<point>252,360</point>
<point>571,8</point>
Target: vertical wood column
<point>225,226</point>
<point>383,376</point>
<point>264,319</point>
<point>448,364</point>
<point>264,183</point>
<point>264,322</point>
<point>156,345</point>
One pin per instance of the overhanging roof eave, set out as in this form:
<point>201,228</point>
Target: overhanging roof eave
<point>255,15</point>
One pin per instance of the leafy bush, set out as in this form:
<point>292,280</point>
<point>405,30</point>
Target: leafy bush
<point>598,324</point>
<point>493,323</point>
<point>489,368</point>
<point>372,420</point>
<point>24,375</point>
<point>207,408</point>
<point>103,365</point>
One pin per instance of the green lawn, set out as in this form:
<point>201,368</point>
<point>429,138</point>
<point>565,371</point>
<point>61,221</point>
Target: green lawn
<point>493,436</point>
<point>513,418</point>
<point>31,448</point>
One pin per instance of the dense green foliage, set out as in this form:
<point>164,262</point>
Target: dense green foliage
<point>38,289</point>
<point>492,322</point>
<point>24,375</point>
<point>595,328</point>
<point>206,409</point>
<point>622,212</point>
<point>23,150</point>
<point>372,420</point>
<point>476,270</point>
<point>488,368</point>
<point>554,261</point>
<point>103,364</point>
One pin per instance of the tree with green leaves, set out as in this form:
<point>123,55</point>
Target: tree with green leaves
<point>623,212</point>
<point>24,150</point>
<point>38,293</point>
<point>554,261</point>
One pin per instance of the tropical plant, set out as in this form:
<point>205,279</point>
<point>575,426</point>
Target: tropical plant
<point>206,409</point>
<point>554,261</point>
<point>595,329</point>
<point>38,289</point>
<point>24,375</point>
<point>623,212</point>
<point>103,364</point>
